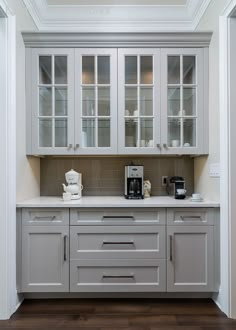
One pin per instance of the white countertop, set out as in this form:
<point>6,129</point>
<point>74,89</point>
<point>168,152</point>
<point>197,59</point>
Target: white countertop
<point>115,201</point>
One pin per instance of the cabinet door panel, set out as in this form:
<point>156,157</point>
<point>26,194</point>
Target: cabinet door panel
<point>45,259</point>
<point>139,101</point>
<point>52,101</point>
<point>96,101</point>
<point>183,107</point>
<point>190,261</point>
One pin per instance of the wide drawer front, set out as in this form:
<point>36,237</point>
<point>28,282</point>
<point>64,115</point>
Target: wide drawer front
<point>119,276</point>
<point>117,242</point>
<point>124,216</point>
<point>194,216</point>
<point>45,216</point>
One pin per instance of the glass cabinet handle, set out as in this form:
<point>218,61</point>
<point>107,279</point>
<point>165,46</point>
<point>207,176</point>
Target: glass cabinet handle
<point>165,145</point>
<point>76,146</point>
<point>158,145</point>
<point>70,146</point>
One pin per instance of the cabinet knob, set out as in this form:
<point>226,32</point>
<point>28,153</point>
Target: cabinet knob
<point>165,145</point>
<point>158,145</point>
<point>76,146</point>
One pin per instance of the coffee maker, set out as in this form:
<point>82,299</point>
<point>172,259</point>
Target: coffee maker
<point>176,187</point>
<point>134,182</point>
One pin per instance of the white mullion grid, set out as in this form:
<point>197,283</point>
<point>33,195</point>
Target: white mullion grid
<point>181,102</point>
<point>96,100</point>
<point>53,101</point>
<point>138,98</point>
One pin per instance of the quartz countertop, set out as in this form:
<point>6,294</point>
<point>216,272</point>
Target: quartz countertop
<point>115,201</point>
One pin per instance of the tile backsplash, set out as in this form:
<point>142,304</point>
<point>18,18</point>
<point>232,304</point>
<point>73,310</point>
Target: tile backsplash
<point>104,176</point>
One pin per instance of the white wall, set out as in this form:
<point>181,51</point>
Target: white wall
<point>28,168</point>
<point>210,187</point>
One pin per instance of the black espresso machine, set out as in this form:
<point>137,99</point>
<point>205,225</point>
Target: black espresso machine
<point>176,187</point>
<point>134,182</point>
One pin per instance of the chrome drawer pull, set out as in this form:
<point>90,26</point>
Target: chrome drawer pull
<point>190,217</point>
<point>171,237</point>
<point>45,218</point>
<point>124,243</point>
<point>118,276</point>
<point>117,217</point>
<point>65,253</point>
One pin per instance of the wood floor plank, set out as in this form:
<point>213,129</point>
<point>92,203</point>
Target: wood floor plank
<point>119,314</point>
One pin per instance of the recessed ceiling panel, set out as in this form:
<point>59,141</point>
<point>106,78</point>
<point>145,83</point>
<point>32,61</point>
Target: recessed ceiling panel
<point>116,2</point>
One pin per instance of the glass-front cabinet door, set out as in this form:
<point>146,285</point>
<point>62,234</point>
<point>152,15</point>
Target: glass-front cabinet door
<point>96,101</point>
<point>182,103</point>
<point>52,101</point>
<point>138,101</point>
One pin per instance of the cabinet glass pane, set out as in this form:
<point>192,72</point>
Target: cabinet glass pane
<point>174,131</point>
<point>131,132</point>
<point>60,101</point>
<point>45,133</point>
<point>131,101</point>
<point>146,136</point>
<point>60,69</point>
<point>146,101</point>
<point>60,132</point>
<point>103,70</point>
<point>45,101</point>
<point>189,70</point>
<point>103,133</point>
<point>189,101</point>
<point>173,101</point>
<point>131,72</point>
<point>88,132</point>
<point>189,132</point>
<point>88,71</point>
<point>146,75</point>
<point>45,69</point>
<point>173,69</point>
<point>103,101</point>
<point>88,101</point>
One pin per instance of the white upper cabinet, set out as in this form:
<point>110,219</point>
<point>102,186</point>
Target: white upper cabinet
<point>184,124</point>
<point>51,94</point>
<point>145,99</point>
<point>139,101</point>
<point>96,101</point>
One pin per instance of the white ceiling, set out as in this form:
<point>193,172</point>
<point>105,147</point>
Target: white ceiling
<point>116,2</point>
<point>116,15</point>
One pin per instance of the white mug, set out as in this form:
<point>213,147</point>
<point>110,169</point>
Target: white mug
<point>142,143</point>
<point>196,196</point>
<point>150,143</point>
<point>175,143</point>
<point>181,191</point>
<point>135,113</point>
<point>127,113</point>
<point>66,196</point>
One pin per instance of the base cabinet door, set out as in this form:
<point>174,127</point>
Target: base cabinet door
<point>45,259</point>
<point>190,264</point>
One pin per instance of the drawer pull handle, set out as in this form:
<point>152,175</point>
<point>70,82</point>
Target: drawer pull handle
<point>190,217</point>
<point>118,217</point>
<point>117,276</point>
<point>124,243</point>
<point>65,249</point>
<point>171,237</point>
<point>45,218</point>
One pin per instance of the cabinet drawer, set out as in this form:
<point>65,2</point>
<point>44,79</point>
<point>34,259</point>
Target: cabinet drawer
<point>117,242</point>
<point>194,216</point>
<point>117,275</point>
<point>45,216</point>
<point>117,216</point>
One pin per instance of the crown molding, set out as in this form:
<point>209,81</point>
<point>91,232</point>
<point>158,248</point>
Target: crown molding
<point>117,18</point>
<point>76,39</point>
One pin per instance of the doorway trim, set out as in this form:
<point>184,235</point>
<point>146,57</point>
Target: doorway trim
<point>227,295</point>
<point>8,293</point>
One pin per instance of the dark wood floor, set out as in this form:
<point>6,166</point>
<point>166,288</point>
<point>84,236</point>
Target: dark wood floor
<point>122,314</point>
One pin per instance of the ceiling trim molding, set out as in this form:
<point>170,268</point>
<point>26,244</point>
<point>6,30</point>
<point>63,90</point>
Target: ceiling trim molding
<point>200,13</point>
<point>120,18</point>
<point>76,39</point>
